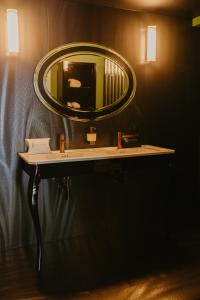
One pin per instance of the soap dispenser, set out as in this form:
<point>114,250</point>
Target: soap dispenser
<point>91,136</point>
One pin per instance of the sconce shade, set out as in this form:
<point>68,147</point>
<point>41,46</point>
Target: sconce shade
<point>12,30</point>
<point>196,22</point>
<point>151,43</point>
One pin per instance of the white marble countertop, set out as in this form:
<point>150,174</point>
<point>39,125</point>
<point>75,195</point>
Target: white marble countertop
<point>72,155</point>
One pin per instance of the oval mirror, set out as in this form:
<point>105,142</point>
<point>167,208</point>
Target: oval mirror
<point>84,81</point>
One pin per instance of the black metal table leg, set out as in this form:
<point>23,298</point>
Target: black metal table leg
<point>33,188</point>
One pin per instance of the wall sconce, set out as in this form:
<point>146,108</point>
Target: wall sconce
<point>12,30</point>
<point>196,22</point>
<point>151,43</point>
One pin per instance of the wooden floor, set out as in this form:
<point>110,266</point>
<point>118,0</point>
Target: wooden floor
<point>172,272</point>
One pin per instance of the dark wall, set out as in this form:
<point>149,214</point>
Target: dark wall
<point>164,110</point>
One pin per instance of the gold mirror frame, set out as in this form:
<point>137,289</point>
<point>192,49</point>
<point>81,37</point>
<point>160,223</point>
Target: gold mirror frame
<point>72,49</point>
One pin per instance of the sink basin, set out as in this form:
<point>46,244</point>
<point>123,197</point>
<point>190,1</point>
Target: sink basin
<point>93,154</point>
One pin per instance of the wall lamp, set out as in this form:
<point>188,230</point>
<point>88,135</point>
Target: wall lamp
<point>151,43</point>
<point>196,22</point>
<point>12,31</point>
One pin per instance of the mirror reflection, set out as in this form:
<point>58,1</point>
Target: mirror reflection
<point>86,82</point>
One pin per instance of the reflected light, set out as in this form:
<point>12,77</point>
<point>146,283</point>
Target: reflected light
<point>65,65</point>
<point>143,45</point>
<point>12,31</point>
<point>151,43</point>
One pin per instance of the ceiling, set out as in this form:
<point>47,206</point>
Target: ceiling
<point>186,8</point>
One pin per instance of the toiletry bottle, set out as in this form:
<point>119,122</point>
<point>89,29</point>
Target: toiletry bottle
<point>91,136</point>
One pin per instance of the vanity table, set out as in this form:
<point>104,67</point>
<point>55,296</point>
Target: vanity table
<point>84,161</point>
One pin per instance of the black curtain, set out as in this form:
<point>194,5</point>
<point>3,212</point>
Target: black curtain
<point>43,25</point>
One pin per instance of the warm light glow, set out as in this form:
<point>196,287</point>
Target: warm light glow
<point>196,21</point>
<point>143,45</point>
<point>151,43</point>
<point>65,65</point>
<point>12,31</point>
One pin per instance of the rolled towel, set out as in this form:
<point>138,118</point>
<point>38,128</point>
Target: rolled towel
<point>73,104</point>
<point>74,82</point>
<point>76,105</point>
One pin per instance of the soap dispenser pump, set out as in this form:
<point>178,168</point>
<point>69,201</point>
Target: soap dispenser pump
<point>91,136</point>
